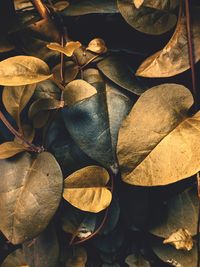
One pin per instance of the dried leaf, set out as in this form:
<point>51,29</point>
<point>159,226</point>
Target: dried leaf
<point>77,91</point>
<point>84,7</point>
<point>43,251</point>
<point>23,70</point>
<point>67,50</point>
<point>89,185</point>
<point>15,99</point>
<point>9,149</point>
<point>134,260</point>
<point>145,19</point>
<point>76,257</point>
<point>97,46</point>
<point>180,239</point>
<point>30,192</point>
<point>175,257</point>
<point>71,71</point>
<point>158,142</point>
<point>15,259</point>
<point>117,71</point>
<point>181,210</point>
<point>167,62</point>
<point>61,5</point>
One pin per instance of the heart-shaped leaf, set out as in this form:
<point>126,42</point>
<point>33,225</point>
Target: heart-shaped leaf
<point>23,70</point>
<point>30,192</point>
<point>167,62</point>
<point>89,185</point>
<point>67,50</point>
<point>158,142</point>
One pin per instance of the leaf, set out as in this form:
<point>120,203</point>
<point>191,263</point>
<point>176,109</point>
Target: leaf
<point>23,70</point>
<point>134,260</point>
<point>77,91</point>
<point>15,99</point>
<point>117,71</point>
<point>158,142</point>
<point>84,7</point>
<point>145,19</point>
<point>67,50</point>
<point>47,89</point>
<point>97,46</point>
<point>5,45</point>
<point>181,209</point>
<point>78,223</point>
<point>89,185</point>
<point>180,239</point>
<point>61,5</point>
<point>71,71</point>
<point>69,156</point>
<point>175,257</point>
<point>138,3</point>
<point>43,251</point>
<point>84,56</point>
<point>30,192</point>
<point>94,122</point>
<point>161,5</point>
<point>76,257</point>
<point>9,149</point>
<point>15,259</point>
<point>167,62</point>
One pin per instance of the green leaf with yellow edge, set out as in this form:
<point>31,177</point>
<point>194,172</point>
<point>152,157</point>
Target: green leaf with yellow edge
<point>30,192</point>
<point>23,70</point>
<point>147,19</point>
<point>76,91</point>
<point>89,186</point>
<point>15,259</point>
<point>158,142</point>
<point>15,99</point>
<point>67,50</point>
<point>9,149</point>
<point>167,62</point>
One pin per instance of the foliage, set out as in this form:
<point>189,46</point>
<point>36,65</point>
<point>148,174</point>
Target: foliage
<point>99,133</point>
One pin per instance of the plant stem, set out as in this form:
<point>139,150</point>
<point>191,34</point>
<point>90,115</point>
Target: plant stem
<point>195,107</point>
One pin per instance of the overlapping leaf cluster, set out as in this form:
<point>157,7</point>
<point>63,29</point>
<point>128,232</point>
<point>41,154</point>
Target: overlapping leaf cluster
<point>98,166</point>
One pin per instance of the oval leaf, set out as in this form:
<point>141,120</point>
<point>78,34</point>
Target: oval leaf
<point>158,142</point>
<point>30,192</point>
<point>9,149</point>
<point>89,185</point>
<point>167,62</point>
<point>23,70</point>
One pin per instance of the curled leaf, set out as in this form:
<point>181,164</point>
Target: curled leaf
<point>68,49</point>
<point>86,189</point>
<point>97,46</point>
<point>23,70</point>
<point>180,239</point>
<point>158,143</point>
<point>168,62</point>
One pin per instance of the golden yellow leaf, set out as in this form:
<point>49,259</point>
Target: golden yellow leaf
<point>61,5</point>
<point>76,91</point>
<point>158,143</point>
<point>180,239</point>
<point>68,49</point>
<point>76,257</point>
<point>138,3</point>
<point>9,149</point>
<point>86,189</point>
<point>15,99</point>
<point>97,46</point>
<point>23,70</point>
<point>168,62</point>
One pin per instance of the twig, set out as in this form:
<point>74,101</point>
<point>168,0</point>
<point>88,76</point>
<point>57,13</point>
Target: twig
<point>195,107</point>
